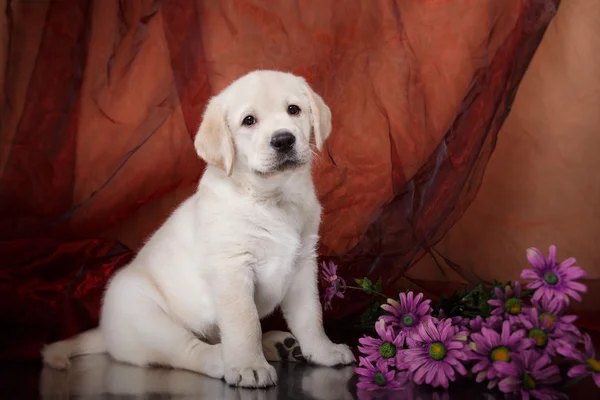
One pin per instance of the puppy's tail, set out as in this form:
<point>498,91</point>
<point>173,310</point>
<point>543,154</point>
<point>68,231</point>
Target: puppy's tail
<point>56,355</point>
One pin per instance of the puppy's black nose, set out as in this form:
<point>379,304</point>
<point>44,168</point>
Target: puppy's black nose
<point>283,142</point>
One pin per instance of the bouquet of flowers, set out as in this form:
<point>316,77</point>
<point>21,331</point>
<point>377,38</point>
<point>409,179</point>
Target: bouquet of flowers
<point>510,338</point>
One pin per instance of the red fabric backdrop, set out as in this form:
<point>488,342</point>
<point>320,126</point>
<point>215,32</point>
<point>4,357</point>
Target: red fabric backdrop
<point>101,100</point>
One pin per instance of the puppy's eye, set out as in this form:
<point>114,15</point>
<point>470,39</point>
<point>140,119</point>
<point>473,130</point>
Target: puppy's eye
<point>293,109</point>
<point>249,120</point>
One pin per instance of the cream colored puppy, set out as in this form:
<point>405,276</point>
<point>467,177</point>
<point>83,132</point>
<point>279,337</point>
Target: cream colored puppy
<point>242,245</point>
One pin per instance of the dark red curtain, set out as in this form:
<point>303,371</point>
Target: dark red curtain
<point>101,100</point>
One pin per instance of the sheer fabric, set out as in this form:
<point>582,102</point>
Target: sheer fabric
<point>101,100</point>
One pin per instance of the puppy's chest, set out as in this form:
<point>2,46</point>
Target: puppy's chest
<point>278,245</point>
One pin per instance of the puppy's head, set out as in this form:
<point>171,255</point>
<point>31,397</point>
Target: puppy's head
<point>263,123</point>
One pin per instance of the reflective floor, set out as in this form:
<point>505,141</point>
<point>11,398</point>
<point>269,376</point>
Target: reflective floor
<point>98,377</point>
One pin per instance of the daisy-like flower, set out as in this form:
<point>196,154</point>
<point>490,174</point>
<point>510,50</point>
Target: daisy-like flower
<point>551,279</point>
<point>437,353</point>
<point>407,314</point>
<point>378,376</point>
<point>552,311</point>
<point>456,320</point>
<point>385,347</point>
<point>530,376</point>
<point>545,340</point>
<point>588,364</point>
<point>492,322</point>
<point>489,348</point>
<point>337,284</point>
<point>508,304</point>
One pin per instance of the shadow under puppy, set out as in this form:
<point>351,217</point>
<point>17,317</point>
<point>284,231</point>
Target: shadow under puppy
<point>241,246</point>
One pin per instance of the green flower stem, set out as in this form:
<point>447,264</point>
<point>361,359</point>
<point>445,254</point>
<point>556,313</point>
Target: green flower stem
<point>365,290</point>
<point>574,381</point>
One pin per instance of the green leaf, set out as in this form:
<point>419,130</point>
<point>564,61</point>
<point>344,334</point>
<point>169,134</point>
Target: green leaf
<point>364,283</point>
<point>370,316</point>
<point>379,285</point>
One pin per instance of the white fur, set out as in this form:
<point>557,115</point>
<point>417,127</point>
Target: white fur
<point>241,246</point>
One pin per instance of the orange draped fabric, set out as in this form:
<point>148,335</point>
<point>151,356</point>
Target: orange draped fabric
<point>101,100</point>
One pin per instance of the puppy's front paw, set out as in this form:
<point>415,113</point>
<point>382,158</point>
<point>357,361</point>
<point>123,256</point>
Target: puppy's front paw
<point>330,355</point>
<point>257,374</point>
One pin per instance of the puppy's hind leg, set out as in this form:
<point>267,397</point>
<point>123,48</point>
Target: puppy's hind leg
<point>159,340</point>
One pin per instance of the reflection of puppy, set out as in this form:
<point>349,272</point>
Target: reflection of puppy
<point>328,383</point>
<point>99,375</point>
<point>242,245</point>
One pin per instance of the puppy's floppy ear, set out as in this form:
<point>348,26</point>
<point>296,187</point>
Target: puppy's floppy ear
<point>214,141</point>
<point>321,117</point>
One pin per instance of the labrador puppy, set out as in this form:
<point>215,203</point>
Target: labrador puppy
<point>241,246</point>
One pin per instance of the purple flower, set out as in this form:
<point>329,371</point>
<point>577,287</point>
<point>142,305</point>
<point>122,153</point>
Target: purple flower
<point>436,353</point>
<point>337,284</point>
<point>538,329</point>
<point>476,324</point>
<point>377,377</point>
<point>551,279</point>
<point>588,364</point>
<point>456,320</point>
<point>385,348</point>
<point>407,314</point>
<point>508,303</point>
<point>530,376</point>
<point>552,311</point>
<point>492,322</point>
<point>491,348</point>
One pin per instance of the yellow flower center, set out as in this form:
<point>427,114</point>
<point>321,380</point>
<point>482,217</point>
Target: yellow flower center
<point>387,350</point>
<point>540,337</point>
<point>500,353</point>
<point>594,365</point>
<point>437,351</point>
<point>513,306</point>
<point>551,319</point>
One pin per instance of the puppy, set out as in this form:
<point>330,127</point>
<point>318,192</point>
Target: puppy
<point>241,246</point>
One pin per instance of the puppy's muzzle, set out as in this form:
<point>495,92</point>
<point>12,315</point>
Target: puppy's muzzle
<point>283,142</point>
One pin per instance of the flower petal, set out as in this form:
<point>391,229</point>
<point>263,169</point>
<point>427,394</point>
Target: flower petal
<point>535,258</point>
<point>529,274</point>
<point>552,255</point>
<point>578,370</point>
<point>509,385</point>
<point>580,287</point>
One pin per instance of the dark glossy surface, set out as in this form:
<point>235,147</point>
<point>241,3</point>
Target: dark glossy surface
<point>98,377</point>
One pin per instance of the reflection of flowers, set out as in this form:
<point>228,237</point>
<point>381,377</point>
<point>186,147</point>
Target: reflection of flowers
<point>385,348</point>
<point>587,363</point>
<point>553,280</point>
<point>437,395</point>
<point>407,314</point>
<point>436,353</point>
<point>377,376</point>
<point>404,392</point>
<point>337,284</point>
